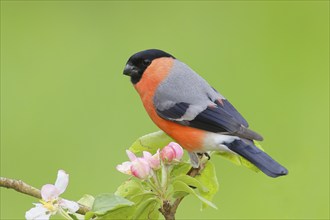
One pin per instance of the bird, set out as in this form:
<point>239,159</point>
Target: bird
<point>188,109</point>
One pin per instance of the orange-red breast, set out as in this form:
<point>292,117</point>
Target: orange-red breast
<point>194,114</point>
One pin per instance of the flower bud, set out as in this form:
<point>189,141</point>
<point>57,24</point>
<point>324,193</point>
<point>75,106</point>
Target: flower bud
<point>153,160</point>
<point>131,155</point>
<point>172,151</point>
<point>140,168</point>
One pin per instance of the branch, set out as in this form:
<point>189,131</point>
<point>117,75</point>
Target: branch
<point>168,210</point>
<point>22,187</point>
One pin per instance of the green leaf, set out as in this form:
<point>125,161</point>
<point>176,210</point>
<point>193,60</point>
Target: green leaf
<point>151,142</point>
<point>148,209</point>
<point>143,196</point>
<point>133,190</point>
<point>120,213</point>
<point>180,186</point>
<point>108,202</point>
<point>145,206</point>
<point>191,181</point>
<point>180,169</point>
<point>89,215</point>
<point>240,161</point>
<point>87,200</point>
<point>208,178</point>
<point>129,188</point>
<point>179,194</point>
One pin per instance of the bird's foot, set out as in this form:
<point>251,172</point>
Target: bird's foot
<point>196,158</point>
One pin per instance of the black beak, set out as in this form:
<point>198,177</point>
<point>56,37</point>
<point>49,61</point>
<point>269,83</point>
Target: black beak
<point>130,70</point>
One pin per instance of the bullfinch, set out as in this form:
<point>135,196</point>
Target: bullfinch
<point>193,113</point>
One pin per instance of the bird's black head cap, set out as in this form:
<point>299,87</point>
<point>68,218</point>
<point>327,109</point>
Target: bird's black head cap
<point>138,62</point>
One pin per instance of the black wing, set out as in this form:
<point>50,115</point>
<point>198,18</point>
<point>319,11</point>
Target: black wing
<point>222,118</point>
<point>230,109</point>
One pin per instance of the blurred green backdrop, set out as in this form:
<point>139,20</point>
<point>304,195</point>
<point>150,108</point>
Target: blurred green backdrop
<point>65,103</point>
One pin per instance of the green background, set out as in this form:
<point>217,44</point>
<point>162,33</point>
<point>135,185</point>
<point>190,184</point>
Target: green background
<point>66,105</point>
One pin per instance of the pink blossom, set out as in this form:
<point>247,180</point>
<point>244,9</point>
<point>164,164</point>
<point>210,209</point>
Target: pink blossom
<point>153,160</point>
<point>172,152</point>
<point>125,167</point>
<point>140,168</point>
<point>137,166</point>
<point>131,155</point>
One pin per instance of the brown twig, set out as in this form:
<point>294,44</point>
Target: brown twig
<point>22,187</point>
<point>168,210</point>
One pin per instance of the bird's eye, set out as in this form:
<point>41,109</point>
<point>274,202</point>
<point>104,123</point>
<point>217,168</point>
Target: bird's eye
<point>146,62</point>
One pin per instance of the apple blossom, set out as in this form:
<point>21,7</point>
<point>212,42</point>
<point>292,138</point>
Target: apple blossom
<point>131,155</point>
<point>140,168</point>
<point>171,152</point>
<point>153,160</point>
<point>51,203</point>
<point>125,167</point>
<point>137,166</point>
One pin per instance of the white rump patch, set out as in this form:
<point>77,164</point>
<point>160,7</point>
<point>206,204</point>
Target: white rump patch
<point>216,142</point>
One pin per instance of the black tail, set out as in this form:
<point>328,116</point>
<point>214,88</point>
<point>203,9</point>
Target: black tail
<point>259,158</point>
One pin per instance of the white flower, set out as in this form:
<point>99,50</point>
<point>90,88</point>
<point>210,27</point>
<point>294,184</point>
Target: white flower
<point>51,203</point>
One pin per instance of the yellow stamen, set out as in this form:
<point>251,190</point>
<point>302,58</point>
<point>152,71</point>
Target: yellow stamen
<point>49,205</point>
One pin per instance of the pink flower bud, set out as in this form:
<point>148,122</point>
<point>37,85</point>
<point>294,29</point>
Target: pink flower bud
<point>130,155</point>
<point>140,168</point>
<point>178,150</point>
<point>153,160</point>
<point>172,151</point>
